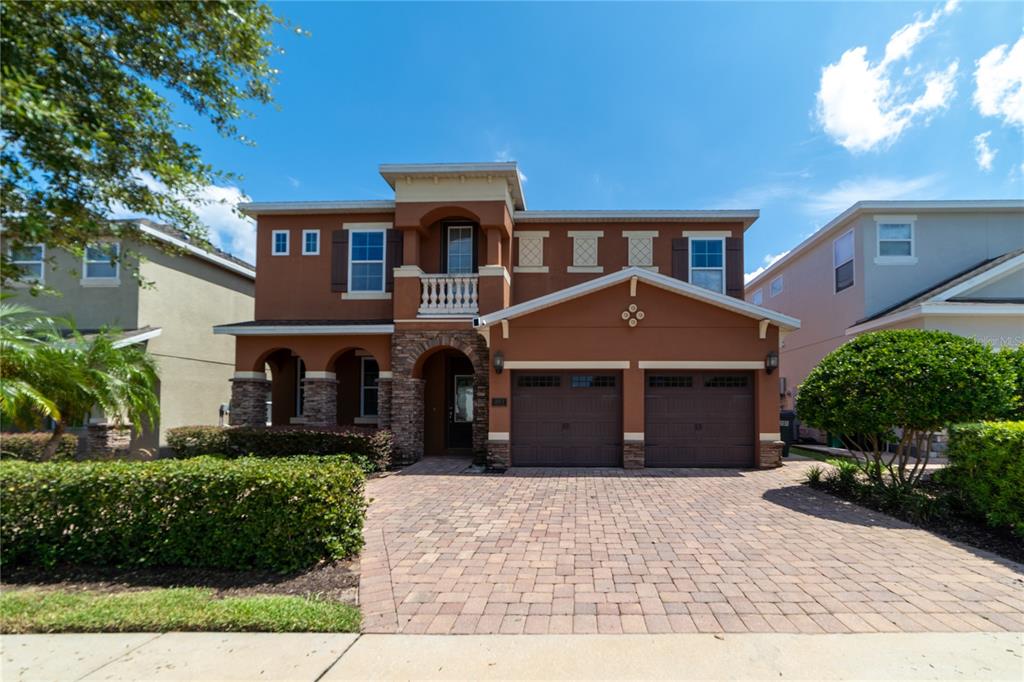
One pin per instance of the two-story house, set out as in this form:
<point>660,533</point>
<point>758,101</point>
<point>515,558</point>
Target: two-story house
<point>466,323</point>
<point>951,265</point>
<point>182,294</point>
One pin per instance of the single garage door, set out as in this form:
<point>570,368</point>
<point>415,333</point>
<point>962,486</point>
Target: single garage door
<point>566,419</point>
<point>699,419</point>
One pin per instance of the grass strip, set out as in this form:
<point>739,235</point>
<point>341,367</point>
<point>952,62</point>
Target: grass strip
<point>161,610</point>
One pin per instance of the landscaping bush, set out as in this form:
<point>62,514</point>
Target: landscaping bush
<point>32,447</point>
<point>986,471</point>
<point>202,512</point>
<point>1014,358</point>
<point>371,449</point>
<point>890,392</point>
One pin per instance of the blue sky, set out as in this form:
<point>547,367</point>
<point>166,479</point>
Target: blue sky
<point>797,109</point>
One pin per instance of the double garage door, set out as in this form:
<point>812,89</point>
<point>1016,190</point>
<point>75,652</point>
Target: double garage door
<point>574,419</point>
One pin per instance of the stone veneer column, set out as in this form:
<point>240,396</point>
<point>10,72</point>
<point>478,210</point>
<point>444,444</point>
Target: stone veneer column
<point>320,400</point>
<point>633,454</point>
<point>407,418</point>
<point>770,454</point>
<point>384,402</point>
<point>499,455</point>
<point>107,441</point>
<point>250,392</point>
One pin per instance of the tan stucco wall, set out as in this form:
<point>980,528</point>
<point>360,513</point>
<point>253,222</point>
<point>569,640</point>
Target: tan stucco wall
<point>188,298</point>
<point>1005,331</point>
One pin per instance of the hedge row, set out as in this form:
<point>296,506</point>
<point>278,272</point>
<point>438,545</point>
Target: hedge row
<point>202,512</point>
<point>371,449</point>
<point>29,446</point>
<point>986,471</point>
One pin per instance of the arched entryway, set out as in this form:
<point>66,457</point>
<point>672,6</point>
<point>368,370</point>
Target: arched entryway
<point>448,402</point>
<point>286,372</point>
<point>357,373</point>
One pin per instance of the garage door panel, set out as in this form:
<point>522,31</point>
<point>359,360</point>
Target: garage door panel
<point>699,419</point>
<point>566,419</point>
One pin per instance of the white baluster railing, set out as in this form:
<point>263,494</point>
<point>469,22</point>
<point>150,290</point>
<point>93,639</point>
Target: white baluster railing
<point>448,294</point>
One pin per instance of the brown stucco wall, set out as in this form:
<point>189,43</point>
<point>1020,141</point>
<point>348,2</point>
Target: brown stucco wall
<point>318,352</point>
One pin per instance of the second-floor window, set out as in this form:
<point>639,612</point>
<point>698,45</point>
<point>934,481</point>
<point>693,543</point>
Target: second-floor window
<point>279,243</point>
<point>30,259</point>
<point>895,239</point>
<point>757,298</point>
<point>775,288</point>
<point>842,261</point>
<point>460,249</point>
<point>707,264</point>
<point>311,242</point>
<point>366,260</point>
<point>100,261</point>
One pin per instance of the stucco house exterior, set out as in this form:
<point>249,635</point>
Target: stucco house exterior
<point>466,323</point>
<point>185,293</point>
<point>951,265</point>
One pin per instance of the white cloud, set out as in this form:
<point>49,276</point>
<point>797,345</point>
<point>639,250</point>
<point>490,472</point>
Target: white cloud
<point>862,107</point>
<point>769,260</point>
<point>999,83</point>
<point>294,182</point>
<point>833,201</point>
<point>983,154</point>
<point>214,206</point>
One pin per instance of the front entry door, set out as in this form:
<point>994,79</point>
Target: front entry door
<point>460,412</point>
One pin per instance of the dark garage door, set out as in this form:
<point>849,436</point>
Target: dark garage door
<point>699,419</point>
<point>566,419</point>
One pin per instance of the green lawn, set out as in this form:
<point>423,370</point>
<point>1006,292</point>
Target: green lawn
<point>161,610</point>
<point>814,454</point>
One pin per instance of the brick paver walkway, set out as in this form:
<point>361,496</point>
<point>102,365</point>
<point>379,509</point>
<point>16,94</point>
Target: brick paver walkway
<point>609,551</point>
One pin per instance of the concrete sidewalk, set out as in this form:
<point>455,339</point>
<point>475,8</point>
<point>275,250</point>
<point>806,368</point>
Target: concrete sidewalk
<point>313,657</point>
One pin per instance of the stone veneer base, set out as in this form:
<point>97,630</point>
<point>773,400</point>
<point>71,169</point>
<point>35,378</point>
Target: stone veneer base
<point>633,456</point>
<point>770,455</point>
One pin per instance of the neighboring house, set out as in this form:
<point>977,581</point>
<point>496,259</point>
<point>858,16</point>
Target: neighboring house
<point>951,265</point>
<point>465,323</point>
<point>172,314</point>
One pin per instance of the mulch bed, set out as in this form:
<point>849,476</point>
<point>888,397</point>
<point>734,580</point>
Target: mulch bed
<point>336,581</point>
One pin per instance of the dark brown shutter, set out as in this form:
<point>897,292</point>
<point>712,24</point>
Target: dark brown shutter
<point>681,259</point>
<point>392,257</point>
<point>339,260</point>
<point>734,267</point>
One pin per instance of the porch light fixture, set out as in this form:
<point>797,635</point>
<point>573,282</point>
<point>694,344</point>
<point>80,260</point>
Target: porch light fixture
<point>499,362</point>
<point>771,362</point>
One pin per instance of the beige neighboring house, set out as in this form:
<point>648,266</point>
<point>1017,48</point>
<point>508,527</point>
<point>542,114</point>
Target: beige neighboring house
<point>173,315</point>
<point>949,265</point>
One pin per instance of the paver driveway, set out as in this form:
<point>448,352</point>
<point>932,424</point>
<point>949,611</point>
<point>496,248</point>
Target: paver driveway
<point>608,550</point>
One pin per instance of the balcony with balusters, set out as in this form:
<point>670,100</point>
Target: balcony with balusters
<point>444,295</point>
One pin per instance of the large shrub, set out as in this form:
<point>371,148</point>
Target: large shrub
<point>1014,358</point>
<point>371,449</point>
<point>986,471</point>
<point>32,447</point>
<point>202,512</point>
<point>888,393</point>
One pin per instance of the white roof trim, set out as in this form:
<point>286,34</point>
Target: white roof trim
<point>745,216</point>
<point>1003,269</point>
<point>862,207</point>
<point>129,340</point>
<point>303,329</point>
<point>257,208</point>
<point>231,265</point>
<point>506,169</point>
<point>655,279</point>
<point>940,308</point>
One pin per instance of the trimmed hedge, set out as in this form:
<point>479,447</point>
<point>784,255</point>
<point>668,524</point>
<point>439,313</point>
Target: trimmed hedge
<point>371,449</point>
<point>986,471</point>
<point>247,513</point>
<point>30,446</point>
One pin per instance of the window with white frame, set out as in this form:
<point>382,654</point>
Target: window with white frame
<point>896,240</point>
<point>368,387</point>
<point>707,263</point>
<point>775,288</point>
<point>584,251</point>
<point>842,261</point>
<point>757,298</point>
<point>640,251</point>
<point>279,243</point>
<point>100,261</point>
<point>366,261</point>
<point>311,242</point>
<point>30,259</point>
<point>531,251</point>
<point>460,249</point>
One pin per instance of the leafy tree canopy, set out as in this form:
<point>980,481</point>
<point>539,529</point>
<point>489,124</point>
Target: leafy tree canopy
<point>85,127</point>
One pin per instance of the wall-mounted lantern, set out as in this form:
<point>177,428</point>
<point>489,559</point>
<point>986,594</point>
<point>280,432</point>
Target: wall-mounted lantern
<point>499,362</point>
<point>771,362</point>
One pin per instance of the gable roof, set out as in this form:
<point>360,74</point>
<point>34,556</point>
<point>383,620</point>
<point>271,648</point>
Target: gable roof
<point>169,235</point>
<point>654,279</point>
<point>950,295</point>
<point>862,207</point>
